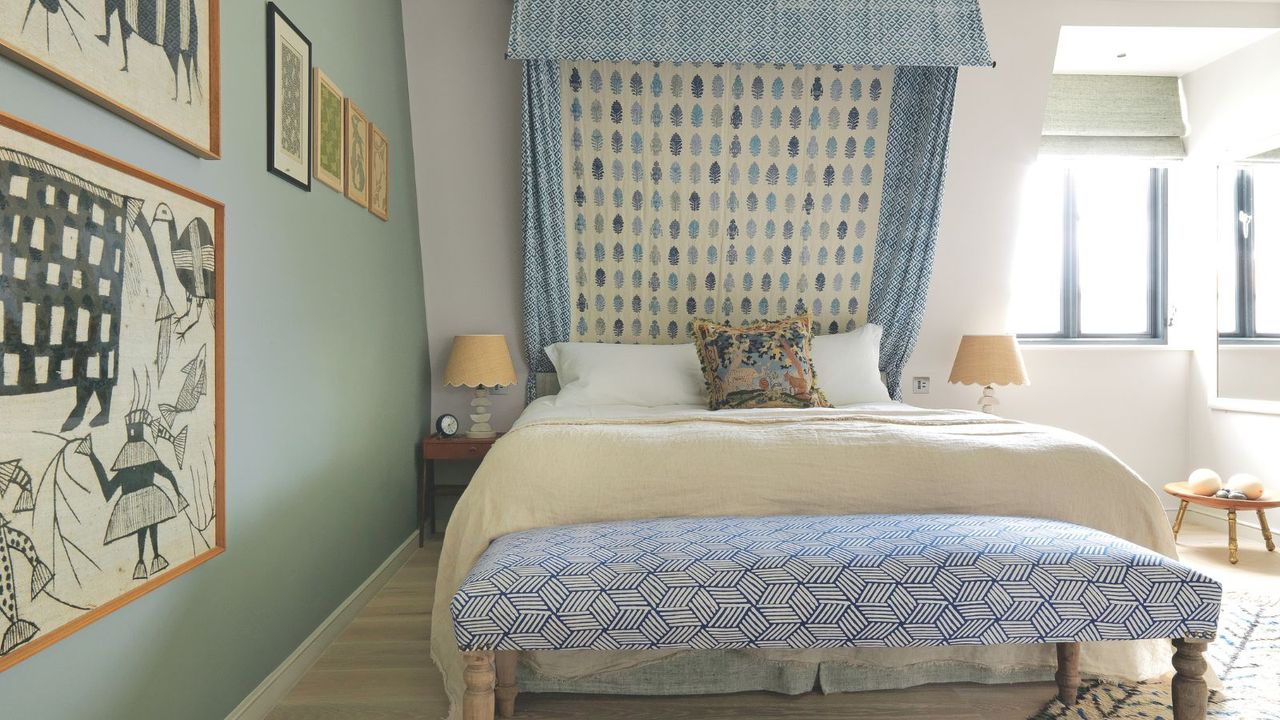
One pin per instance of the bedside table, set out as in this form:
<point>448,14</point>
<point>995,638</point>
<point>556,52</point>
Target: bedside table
<point>436,448</point>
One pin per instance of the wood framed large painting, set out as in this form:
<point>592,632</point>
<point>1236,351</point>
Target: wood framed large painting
<point>111,390</point>
<point>155,62</point>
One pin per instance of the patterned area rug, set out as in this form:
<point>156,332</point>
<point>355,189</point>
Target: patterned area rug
<point>1246,656</point>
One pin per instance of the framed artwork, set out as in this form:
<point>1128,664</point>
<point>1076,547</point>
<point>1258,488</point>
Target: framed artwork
<point>379,173</point>
<point>154,62</point>
<point>111,385</point>
<point>328,154</point>
<point>288,100</point>
<point>357,154</point>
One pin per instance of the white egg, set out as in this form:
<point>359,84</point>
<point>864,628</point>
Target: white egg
<point>1204,482</point>
<point>1248,484</point>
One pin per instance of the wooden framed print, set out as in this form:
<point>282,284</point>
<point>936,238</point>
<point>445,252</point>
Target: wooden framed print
<point>111,385</point>
<point>328,155</point>
<point>154,62</point>
<point>357,154</point>
<point>288,100</point>
<point>379,173</point>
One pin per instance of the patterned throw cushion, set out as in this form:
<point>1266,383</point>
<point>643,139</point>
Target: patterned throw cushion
<point>767,365</point>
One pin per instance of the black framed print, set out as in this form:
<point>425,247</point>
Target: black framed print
<point>288,100</point>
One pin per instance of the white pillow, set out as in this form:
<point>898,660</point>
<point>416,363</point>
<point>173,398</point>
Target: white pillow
<point>847,366</point>
<point>644,375</point>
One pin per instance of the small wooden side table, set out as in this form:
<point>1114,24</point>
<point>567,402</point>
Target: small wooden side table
<point>436,448</point>
<point>1181,491</point>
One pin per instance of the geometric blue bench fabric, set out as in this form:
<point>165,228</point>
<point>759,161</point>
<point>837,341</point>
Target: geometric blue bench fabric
<point>807,582</point>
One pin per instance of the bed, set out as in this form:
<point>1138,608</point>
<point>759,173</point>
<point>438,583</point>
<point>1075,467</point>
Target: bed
<point>565,463</point>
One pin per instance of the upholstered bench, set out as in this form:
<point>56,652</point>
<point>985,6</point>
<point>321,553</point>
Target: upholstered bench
<point>859,581</point>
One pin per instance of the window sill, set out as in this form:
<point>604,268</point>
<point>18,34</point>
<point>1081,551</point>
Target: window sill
<point>1248,342</point>
<point>1095,343</point>
<point>1246,407</point>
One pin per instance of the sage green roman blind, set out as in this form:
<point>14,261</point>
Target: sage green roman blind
<point>1116,115</point>
<point>1271,156</point>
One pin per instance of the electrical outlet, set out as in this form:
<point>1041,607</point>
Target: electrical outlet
<point>920,386</point>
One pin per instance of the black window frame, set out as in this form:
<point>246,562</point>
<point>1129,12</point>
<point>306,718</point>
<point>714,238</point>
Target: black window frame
<point>1158,279</point>
<point>1246,331</point>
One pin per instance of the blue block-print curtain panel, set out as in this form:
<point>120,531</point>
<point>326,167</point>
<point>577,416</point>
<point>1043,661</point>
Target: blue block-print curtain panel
<point>546,256</point>
<point>734,192</point>
<point>935,33</point>
<point>740,181</point>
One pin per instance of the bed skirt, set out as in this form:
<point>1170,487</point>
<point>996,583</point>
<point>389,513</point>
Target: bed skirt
<point>707,672</point>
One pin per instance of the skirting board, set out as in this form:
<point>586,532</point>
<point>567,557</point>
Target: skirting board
<point>259,703</point>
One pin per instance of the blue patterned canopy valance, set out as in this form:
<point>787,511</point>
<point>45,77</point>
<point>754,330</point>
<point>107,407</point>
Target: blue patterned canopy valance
<point>937,33</point>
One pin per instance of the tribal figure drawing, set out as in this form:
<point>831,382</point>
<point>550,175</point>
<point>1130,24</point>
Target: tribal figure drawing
<point>108,343</point>
<point>142,505</point>
<point>72,338</point>
<point>153,61</point>
<point>12,540</point>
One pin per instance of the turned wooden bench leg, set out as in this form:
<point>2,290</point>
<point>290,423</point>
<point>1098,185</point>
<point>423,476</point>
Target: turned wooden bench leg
<point>506,690</point>
<point>1068,675</point>
<point>1190,691</point>
<point>478,702</point>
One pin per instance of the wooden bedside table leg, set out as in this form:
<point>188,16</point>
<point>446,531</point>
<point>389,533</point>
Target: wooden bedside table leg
<point>1233,547</point>
<point>1266,530</point>
<point>422,497</point>
<point>427,503</point>
<point>1177,522</point>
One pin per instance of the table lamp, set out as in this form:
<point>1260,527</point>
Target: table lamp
<point>989,360</point>
<point>480,362</point>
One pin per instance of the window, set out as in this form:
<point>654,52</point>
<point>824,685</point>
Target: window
<point>1250,283</point>
<point>1091,253</point>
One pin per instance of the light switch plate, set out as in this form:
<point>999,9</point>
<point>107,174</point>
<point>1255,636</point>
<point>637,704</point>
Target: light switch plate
<point>920,386</point>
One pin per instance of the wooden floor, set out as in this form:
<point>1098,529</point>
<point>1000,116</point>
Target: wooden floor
<point>380,668</point>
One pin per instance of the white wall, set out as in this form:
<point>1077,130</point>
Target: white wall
<point>1233,104</point>
<point>1135,401</point>
<point>1249,372</point>
<point>465,99</point>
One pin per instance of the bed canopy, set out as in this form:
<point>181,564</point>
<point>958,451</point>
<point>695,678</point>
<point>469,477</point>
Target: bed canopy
<point>732,160</point>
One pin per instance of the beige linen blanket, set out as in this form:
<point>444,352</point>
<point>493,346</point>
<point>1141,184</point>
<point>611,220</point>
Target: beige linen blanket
<point>554,469</point>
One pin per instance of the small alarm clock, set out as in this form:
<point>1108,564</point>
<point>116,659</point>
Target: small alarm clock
<point>447,425</point>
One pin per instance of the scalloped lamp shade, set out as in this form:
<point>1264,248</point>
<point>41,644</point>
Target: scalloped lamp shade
<point>989,360</point>
<point>479,361</point>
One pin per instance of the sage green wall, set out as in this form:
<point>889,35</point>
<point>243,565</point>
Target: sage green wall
<point>327,385</point>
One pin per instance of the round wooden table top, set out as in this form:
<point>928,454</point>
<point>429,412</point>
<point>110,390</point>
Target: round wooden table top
<point>1181,490</point>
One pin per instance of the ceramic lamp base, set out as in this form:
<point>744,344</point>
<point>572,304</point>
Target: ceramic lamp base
<point>480,428</point>
<point>988,401</point>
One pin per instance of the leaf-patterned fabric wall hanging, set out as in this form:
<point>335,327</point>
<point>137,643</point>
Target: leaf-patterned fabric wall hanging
<point>731,192</point>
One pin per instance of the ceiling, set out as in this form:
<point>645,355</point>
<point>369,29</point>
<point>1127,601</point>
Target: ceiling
<point>1170,51</point>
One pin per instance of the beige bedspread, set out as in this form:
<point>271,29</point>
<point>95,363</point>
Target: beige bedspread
<point>557,470</point>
